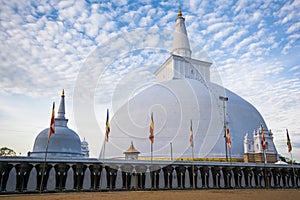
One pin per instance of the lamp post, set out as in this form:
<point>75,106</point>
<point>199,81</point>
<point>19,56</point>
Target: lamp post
<point>224,99</point>
<point>171,146</point>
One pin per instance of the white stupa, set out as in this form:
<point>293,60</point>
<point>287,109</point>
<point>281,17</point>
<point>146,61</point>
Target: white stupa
<point>183,93</point>
<point>63,143</point>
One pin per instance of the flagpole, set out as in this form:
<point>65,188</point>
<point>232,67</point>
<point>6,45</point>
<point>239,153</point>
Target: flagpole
<point>151,152</point>
<point>101,174</point>
<point>228,140</point>
<point>265,157</point>
<point>44,165</point>
<point>50,132</point>
<point>192,145</point>
<point>103,160</point>
<point>293,166</point>
<point>103,154</point>
<point>230,154</point>
<point>264,152</point>
<point>151,174</point>
<point>264,148</point>
<point>266,176</point>
<point>288,140</point>
<point>171,148</point>
<point>224,99</point>
<point>193,167</point>
<point>151,138</point>
<point>107,131</point>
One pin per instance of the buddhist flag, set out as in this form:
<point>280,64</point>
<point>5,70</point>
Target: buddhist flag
<point>107,126</point>
<point>151,136</point>
<point>228,136</point>
<point>263,140</point>
<point>288,141</point>
<point>191,135</point>
<point>52,122</point>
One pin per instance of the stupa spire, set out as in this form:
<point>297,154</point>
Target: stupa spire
<point>179,13</point>
<point>181,45</point>
<point>61,120</point>
<point>61,109</point>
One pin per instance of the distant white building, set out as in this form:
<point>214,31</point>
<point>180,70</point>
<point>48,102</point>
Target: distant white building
<point>85,148</point>
<point>132,153</point>
<point>253,151</point>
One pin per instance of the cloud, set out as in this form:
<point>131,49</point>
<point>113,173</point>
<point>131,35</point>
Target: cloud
<point>256,16</point>
<point>294,68</point>
<point>240,5</point>
<point>234,38</point>
<point>293,28</point>
<point>287,18</point>
<point>223,33</point>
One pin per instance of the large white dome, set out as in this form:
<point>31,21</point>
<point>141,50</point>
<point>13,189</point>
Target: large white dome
<point>185,93</point>
<point>174,103</point>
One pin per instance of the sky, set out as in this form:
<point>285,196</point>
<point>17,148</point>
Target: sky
<point>99,50</point>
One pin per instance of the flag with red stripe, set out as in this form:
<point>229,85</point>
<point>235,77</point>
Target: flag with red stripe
<point>151,136</point>
<point>288,141</point>
<point>263,140</point>
<point>107,124</point>
<point>191,135</point>
<point>228,136</point>
<point>52,122</point>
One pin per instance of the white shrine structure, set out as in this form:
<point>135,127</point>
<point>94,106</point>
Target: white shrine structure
<point>253,151</point>
<point>64,143</point>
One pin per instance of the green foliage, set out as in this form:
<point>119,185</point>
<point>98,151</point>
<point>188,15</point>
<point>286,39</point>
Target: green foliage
<point>282,158</point>
<point>287,160</point>
<point>4,151</point>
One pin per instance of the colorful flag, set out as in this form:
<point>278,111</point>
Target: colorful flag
<point>191,135</point>
<point>151,136</point>
<point>288,141</point>
<point>107,126</point>
<point>263,140</point>
<point>52,122</point>
<point>228,136</point>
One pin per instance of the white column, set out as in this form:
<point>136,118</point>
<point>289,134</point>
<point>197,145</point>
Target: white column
<point>32,180</point>
<point>12,180</point>
<point>133,178</point>
<point>253,179</point>
<point>161,184</point>
<point>210,178</point>
<point>119,180</point>
<point>175,179</point>
<point>87,179</point>
<point>199,180</point>
<point>51,180</point>
<point>233,184</point>
<point>187,183</point>
<point>70,179</point>
<point>243,184</point>
<point>103,179</point>
<point>148,178</point>
<point>222,183</point>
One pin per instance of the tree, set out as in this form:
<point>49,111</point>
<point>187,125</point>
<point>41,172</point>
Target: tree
<point>282,158</point>
<point>287,160</point>
<point>4,151</point>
